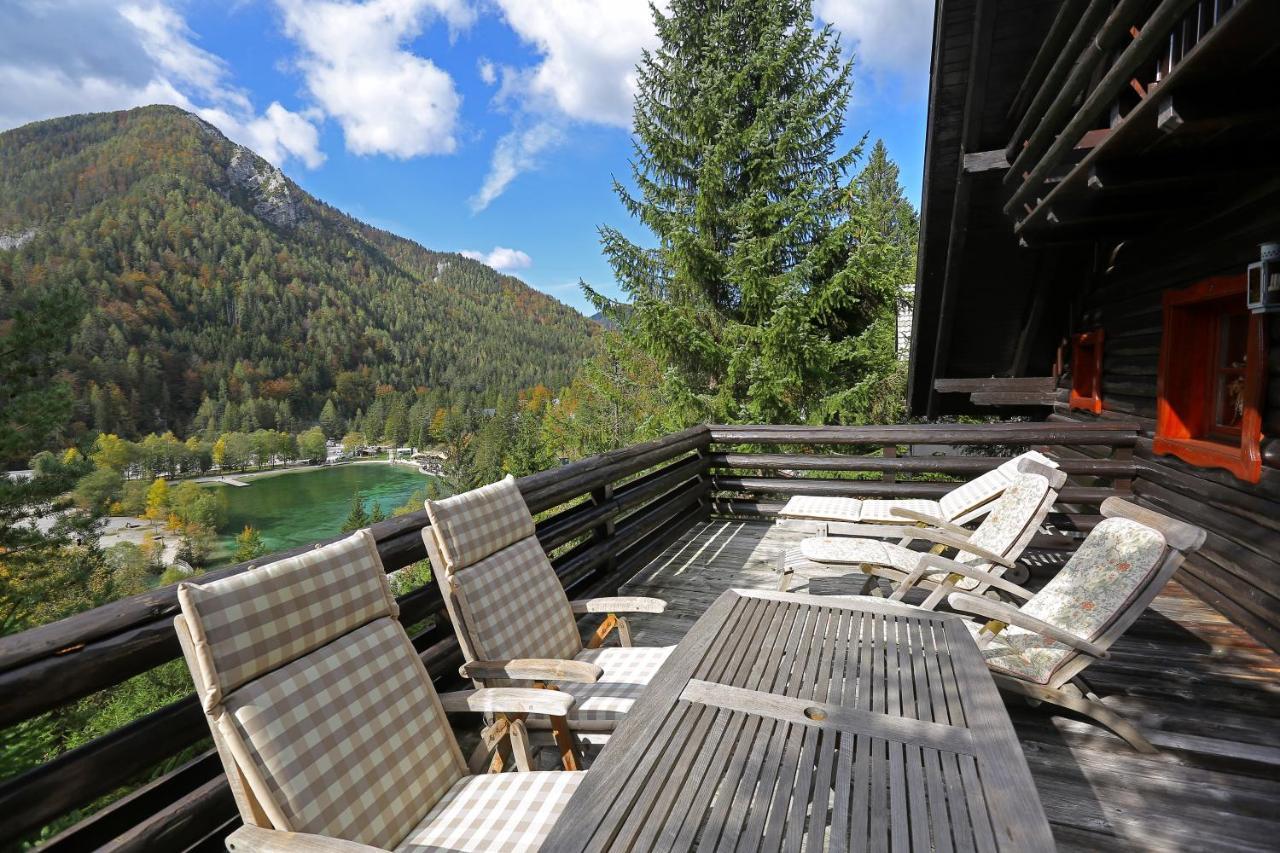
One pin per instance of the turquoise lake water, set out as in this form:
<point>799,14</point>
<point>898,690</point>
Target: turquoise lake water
<point>301,507</point>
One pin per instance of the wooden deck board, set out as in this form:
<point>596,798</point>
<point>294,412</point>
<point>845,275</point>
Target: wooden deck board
<point>1202,689</point>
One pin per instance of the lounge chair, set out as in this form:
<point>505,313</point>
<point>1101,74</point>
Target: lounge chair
<point>1039,648</point>
<point>327,724</point>
<point>994,546</point>
<point>963,504</point>
<point>513,620</point>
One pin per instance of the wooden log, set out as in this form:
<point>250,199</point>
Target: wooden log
<point>183,822</point>
<point>102,826</point>
<point>878,489</point>
<point>995,383</point>
<point>906,464</point>
<point>1115,435</point>
<point>32,799</point>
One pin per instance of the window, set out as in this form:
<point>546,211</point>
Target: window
<point>1212,374</point>
<point>1086,371</point>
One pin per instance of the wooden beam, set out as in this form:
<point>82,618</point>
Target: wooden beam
<point>977,162</point>
<point>995,383</point>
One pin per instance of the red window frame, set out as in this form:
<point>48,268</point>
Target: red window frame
<point>1086,371</point>
<point>1190,385</point>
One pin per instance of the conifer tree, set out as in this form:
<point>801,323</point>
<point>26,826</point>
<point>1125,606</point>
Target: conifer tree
<point>757,295</point>
<point>330,421</point>
<point>357,518</point>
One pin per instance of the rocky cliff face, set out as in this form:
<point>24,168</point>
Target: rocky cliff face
<point>267,186</point>
<point>15,240</point>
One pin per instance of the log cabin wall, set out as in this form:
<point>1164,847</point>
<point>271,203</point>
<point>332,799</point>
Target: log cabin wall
<point>1238,570</point>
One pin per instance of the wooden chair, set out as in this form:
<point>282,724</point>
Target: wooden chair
<point>1039,648</point>
<point>516,625</point>
<point>962,505</point>
<point>327,723</point>
<point>994,546</point>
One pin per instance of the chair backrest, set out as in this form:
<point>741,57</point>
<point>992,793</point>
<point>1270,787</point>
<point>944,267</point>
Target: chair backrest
<point>1015,516</point>
<point>966,502</point>
<point>1110,580</point>
<point>321,710</point>
<point>502,593</point>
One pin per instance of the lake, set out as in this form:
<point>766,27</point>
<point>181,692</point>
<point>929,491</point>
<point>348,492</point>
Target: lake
<point>300,507</point>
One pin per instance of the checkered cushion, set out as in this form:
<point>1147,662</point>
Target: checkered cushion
<point>627,671</point>
<point>514,606</point>
<point>824,509</point>
<point>471,526</point>
<point>981,490</point>
<point>350,739</point>
<point>253,622</point>
<point>1095,586</point>
<point>512,812</point>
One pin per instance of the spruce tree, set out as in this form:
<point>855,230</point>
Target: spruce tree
<point>330,420</point>
<point>757,293</point>
<point>358,517</point>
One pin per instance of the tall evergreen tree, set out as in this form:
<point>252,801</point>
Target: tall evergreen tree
<point>756,295</point>
<point>331,421</point>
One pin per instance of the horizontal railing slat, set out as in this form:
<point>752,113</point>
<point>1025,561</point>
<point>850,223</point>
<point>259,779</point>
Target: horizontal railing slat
<point>1120,435</point>
<point>906,464</point>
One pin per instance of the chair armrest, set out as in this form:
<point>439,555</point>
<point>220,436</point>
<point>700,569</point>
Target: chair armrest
<point>532,669</point>
<point>1002,612</point>
<point>932,521</point>
<point>619,604</point>
<point>508,700</point>
<point>940,538</point>
<point>257,839</point>
<point>935,564</point>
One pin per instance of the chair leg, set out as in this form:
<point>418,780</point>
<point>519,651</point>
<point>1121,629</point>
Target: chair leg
<point>520,747</point>
<point>1096,711</point>
<point>784,574</point>
<point>624,632</point>
<point>569,755</point>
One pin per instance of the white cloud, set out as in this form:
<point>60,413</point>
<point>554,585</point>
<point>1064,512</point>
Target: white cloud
<point>387,99</point>
<point>80,56</point>
<point>501,258</point>
<point>590,49</point>
<point>889,37</point>
<point>516,152</point>
<point>488,71</point>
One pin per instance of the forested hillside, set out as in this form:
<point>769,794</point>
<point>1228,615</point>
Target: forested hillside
<point>209,274</point>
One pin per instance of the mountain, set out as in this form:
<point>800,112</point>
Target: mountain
<point>209,273</point>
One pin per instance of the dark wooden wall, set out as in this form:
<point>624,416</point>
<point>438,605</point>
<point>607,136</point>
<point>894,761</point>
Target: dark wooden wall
<point>1238,570</point>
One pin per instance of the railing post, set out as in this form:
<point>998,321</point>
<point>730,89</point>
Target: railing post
<point>604,532</point>
<point>889,451</point>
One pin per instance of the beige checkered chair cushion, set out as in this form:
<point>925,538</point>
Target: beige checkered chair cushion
<point>325,717</point>
<point>507,602</point>
<point>959,506</point>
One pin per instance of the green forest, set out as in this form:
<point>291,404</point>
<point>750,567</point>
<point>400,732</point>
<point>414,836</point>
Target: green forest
<point>209,276</point>
<point>176,310</point>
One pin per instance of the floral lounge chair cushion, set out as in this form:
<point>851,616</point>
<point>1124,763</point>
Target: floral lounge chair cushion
<point>1110,568</point>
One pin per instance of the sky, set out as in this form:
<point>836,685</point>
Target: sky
<point>494,128</point>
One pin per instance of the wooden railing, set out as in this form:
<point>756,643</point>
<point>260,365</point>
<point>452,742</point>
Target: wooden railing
<point>755,483</point>
<point>604,518</point>
<point>604,523</point>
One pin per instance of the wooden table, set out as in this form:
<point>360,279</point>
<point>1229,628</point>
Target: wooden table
<point>837,723</point>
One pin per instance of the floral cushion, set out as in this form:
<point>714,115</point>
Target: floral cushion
<point>823,508</point>
<point>1014,519</point>
<point>1110,568</point>
<point>843,549</point>
<point>961,501</point>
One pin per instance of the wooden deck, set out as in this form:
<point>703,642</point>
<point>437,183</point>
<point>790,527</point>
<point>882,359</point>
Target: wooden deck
<point>1200,688</point>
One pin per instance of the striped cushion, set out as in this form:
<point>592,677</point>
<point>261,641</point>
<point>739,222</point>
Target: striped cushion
<point>253,622</point>
<point>514,606</point>
<point>350,740</point>
<point>825,509</point>
<point>471,526</point>
<point>981,490</point>
<point>878,511</point>
<point>512,812</point>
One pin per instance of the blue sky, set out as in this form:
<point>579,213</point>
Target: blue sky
<point>492,127</point>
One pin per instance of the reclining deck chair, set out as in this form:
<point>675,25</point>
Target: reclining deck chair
<point>513,620</point>
<point>1039,648</point>
<point>966,502</point>
<point>994,546</point>
<point>327,723</point>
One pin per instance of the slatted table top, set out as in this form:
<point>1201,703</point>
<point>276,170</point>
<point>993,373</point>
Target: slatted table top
<point>785,721</point>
